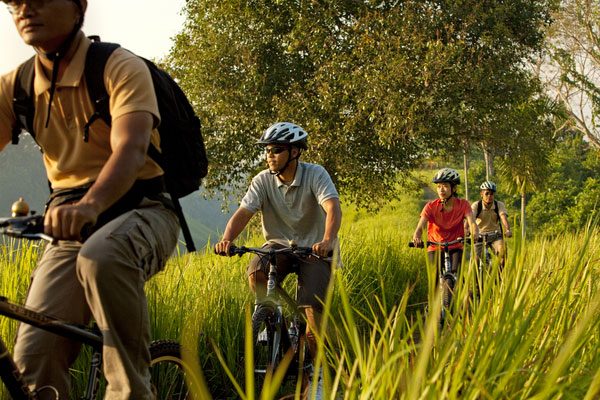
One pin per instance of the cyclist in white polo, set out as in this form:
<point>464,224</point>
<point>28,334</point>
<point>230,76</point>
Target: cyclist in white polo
<point>298,202</point>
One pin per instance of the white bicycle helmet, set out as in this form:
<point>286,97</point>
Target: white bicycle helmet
<point>447,175</point>
<point>488,185</point>
<point>285,133</point>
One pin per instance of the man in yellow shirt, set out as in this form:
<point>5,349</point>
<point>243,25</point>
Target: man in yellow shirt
<point>491,216</point>
<point>107,182</point>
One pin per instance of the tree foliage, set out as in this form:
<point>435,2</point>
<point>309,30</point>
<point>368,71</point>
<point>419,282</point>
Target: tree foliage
<point>376,84</point>
<point>572,187</point>
<point>575,64</point>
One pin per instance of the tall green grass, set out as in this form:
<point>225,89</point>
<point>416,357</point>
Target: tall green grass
<point>532,333</point>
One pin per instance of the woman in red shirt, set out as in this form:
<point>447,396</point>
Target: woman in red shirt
<point>444,218</point>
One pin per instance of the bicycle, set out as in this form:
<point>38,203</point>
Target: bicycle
<point>484,257</point>
<point>273,338</point>
<point>447,277</point>
<point>168,369</point>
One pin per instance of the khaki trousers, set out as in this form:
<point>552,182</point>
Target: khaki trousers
<point>103,278</point>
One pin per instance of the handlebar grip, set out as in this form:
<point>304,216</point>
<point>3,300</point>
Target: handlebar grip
<point>309,251</point>
<point>86,232</point>
<point>232,251</point>
<point>411,244</point>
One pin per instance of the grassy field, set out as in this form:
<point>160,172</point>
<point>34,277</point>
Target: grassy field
<point>533,334</point>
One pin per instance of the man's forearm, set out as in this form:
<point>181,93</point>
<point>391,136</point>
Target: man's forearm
<point>333,220</point>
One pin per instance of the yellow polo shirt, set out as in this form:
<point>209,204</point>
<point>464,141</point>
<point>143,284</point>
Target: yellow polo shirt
<point>69,160</point>
<point>488,221</point>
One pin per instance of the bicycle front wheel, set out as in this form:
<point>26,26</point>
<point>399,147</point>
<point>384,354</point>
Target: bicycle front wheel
<point>447,292</point>
<point>168,371</point>
<point>267,340</point>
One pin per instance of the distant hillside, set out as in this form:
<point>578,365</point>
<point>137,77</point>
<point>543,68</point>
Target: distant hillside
<point>23,175</point>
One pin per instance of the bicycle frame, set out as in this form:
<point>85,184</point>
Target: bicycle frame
<point>485,258</point>
<point>275,299</point>
<point>10,374</point>
<point>445,271</point>
<point>486,240</point>
<point>31,227</point>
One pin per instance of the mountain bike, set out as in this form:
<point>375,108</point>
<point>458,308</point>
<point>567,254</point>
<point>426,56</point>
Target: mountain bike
<point>447,277</point>
<point>167,368</point>
<point>484,256</point>
<point>276,334</point>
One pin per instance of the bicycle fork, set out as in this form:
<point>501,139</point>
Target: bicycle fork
<point>447,284</point>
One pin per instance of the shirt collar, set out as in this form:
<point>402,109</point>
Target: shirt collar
<point>73,73</point>
<point>491,207</point>
<point>297,177</point>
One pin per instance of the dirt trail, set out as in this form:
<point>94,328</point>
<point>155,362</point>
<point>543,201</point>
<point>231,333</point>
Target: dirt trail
<point>429,194</point>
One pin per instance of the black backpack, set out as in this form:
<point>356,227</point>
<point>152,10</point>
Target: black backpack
<point>183,156</point>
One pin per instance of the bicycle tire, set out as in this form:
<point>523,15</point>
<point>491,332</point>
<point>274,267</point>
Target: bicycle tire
<point>301,365</point>
<point>447,292</point>
<point>168,371</point>
<point>267,351</point>
<point>266,357</point>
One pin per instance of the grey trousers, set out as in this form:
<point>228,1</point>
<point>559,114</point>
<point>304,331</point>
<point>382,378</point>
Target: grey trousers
<point>103,278</point>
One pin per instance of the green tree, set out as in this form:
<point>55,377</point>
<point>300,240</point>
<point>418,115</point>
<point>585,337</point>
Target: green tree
<point>376,85</point>
<point>524,167</point>
<point>575,64</point>
<point>572,191</point>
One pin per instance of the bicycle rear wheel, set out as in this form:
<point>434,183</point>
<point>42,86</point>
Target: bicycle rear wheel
<point>168,371</point>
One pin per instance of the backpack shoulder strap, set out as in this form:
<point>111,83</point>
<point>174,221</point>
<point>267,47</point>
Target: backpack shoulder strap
<point>498,215</point>
<point>95,61</point>
<point>479,207</point>
<point>497,210</point>
<point>23,105</point>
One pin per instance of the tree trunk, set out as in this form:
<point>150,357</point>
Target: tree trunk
<point>523,215</point>
<point>466,166</point>
<point>489,164</point>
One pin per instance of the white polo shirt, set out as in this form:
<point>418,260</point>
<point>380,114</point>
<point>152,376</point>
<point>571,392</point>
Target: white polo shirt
<point>292,212</point>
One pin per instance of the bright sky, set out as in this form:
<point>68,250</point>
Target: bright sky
<point>142,26</point>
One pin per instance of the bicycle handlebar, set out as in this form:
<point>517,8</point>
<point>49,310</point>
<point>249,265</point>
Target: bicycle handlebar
<point>442,244</point>
<point>297,250</point>
<point>30,227</point>
<point>488,236</point>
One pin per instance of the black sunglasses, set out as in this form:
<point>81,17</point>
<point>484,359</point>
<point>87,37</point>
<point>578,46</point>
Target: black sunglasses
<point>275,150</point>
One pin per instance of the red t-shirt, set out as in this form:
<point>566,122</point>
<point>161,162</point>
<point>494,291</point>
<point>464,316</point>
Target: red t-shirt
<point>445,226</point>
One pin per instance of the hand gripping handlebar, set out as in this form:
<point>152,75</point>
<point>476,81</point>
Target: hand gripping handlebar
<point>302,251</point>
<point>32,227</point>
<point>442,244</point>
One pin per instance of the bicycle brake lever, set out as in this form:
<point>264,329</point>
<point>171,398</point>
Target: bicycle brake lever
<point>41,236</point>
